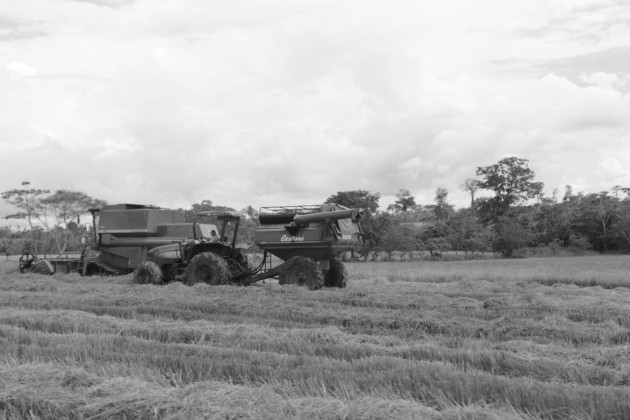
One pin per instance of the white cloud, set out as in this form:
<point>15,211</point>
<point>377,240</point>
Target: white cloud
<point>601,80</point>
<point>171,102</point>
<point>613,167</point>
<point>21,70</point>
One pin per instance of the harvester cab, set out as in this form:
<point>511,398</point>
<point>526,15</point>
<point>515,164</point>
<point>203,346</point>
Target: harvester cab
<point>228,220</point>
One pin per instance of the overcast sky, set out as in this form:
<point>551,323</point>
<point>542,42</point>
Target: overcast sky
<point>274,102</point>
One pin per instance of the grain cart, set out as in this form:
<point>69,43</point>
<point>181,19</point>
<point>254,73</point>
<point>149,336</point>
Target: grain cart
<point>122,235</point>
<point>307,238</point>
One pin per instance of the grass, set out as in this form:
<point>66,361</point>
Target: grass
<point>606,271</point>
<point>519,339</point>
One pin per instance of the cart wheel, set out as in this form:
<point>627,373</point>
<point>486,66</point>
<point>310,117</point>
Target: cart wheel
<point>147,273</point>
<point>303,272</point>
<point>207,268</point>
<point>336,275</point>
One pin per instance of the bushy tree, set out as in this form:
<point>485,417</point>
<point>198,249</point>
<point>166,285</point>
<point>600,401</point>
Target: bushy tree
<point>61,217</point>
<point>374,228</point>
<point>436,246</point>
<point>512,233</point>
<point>401,238</point>
<point>396,240</point>
<point>471,186</point>
<point>442,208</point>
<point>467,233</point>
<point>404,203</point>
<point>28,201</point>
<point>356,198</point>
<point>553,221</point>
<point>511,180</point>
<point>58,217</point>
<point>68,206</point>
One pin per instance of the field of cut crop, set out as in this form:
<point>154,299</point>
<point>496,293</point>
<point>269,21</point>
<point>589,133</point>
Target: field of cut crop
<point>498,339</point>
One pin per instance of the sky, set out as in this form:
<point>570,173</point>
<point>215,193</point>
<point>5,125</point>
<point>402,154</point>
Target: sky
<point>286,102</point>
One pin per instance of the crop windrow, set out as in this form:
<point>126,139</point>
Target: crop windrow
<point>509,339</point>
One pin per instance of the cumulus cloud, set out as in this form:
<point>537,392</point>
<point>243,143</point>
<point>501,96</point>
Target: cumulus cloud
<point>172,102</point>
<point>107,3</point>
<point>12,29</point>
<point>20,70</point>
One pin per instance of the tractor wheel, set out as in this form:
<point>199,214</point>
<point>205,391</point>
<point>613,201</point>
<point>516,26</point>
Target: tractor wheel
<point>148,273</point>
<point>303,272</point>
<point>207,268</point>
<point>336,275</point>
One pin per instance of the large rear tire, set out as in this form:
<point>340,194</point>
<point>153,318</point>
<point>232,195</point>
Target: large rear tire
<point>303,272</point>
<point>148,273</point>
<point>336,275</point>
<point>207,268</point>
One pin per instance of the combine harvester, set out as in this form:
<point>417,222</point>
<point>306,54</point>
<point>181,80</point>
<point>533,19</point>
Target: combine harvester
<point>158,247</point>
<point>122,235</point>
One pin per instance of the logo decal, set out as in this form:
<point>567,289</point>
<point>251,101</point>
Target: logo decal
<point>287,238</point>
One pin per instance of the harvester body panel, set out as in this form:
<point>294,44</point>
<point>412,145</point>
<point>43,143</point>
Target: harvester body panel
<point>124,233</point>
<point>136,222</point>
<point>317,232</point>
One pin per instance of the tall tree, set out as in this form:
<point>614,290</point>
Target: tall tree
<point>568,193</point>
<point>471,186</point>
<point>442,209</point>
<point>28,201</point>
<point>356,198</point>
<point>511,180</point>
<point>404,202</point>
<point>66,208</point>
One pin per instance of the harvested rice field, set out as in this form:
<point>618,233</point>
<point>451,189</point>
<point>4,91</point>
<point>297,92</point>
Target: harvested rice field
<point>494,339</point>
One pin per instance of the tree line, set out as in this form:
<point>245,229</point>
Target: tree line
<point>516,219</point>
<point>54,220</point>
